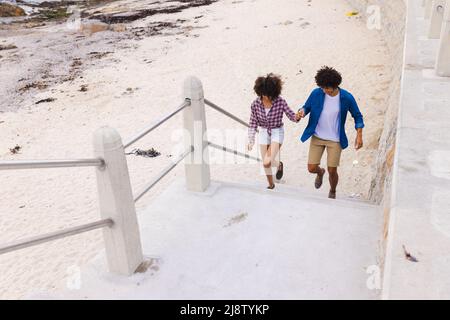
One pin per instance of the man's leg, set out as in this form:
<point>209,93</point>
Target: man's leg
<point>316,169</point>
<point>334,151</point>
<point>315,156</point>
<point>334,179</point>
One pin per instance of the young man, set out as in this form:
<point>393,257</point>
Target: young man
<point>328,107</point>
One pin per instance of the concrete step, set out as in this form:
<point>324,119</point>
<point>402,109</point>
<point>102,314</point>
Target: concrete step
<point>321,195</point>
<point>238,241</point>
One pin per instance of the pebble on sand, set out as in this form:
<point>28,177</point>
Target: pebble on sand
<point>7,47</point>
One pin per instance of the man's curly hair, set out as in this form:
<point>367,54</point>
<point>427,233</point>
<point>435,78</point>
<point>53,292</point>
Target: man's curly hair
<point>269,86</point>
<point>328,77</point>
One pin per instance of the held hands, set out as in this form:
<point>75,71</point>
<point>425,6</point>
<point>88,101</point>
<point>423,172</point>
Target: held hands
<point>300,115</point>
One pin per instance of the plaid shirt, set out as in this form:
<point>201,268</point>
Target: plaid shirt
<point>273,120</point>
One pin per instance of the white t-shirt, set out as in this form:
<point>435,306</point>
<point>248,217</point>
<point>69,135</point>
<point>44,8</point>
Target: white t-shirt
<point>267,110</point>
<point>328,126</point>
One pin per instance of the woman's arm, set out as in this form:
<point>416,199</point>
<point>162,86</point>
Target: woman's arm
<point>289,113</point>
<point>253,125</point>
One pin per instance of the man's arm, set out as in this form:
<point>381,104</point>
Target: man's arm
<point>359,139</point>
<point>306,109</point>
<point>359,123</point>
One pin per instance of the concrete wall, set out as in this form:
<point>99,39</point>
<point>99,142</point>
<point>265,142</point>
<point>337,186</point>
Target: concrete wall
<point>393,22</point>
<point>393,16</point>
<point>420,206</point>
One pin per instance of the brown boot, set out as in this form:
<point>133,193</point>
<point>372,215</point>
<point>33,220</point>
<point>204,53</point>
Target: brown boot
<point>332,194</point>
<point>319,179</point>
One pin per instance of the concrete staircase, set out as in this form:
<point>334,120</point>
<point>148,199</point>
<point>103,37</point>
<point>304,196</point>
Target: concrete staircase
<point>239,241</point>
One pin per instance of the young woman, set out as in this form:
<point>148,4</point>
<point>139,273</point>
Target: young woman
<point>267,113</point>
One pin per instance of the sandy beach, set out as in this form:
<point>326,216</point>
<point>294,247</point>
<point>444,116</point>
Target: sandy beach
<point>59,85</point>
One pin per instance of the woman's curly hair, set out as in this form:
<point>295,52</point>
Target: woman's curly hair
<point>269,86</point>
<point>328,77</point>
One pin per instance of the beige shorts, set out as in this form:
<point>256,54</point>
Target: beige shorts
<point>317,147</point>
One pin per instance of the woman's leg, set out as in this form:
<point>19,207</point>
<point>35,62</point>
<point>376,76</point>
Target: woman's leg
<point>279,157</point>
<point>270,160</point>
<point>265,153</point>
<point>276,145</point>
<point>274,152</point>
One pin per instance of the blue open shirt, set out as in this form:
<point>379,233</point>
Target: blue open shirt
<point>314,105</point>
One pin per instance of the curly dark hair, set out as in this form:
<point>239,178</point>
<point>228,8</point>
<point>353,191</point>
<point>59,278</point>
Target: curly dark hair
<point>269,86</point>
<point>328,77</point>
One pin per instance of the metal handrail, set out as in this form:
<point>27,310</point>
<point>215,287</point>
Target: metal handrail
<point>216,146</point>
<point>163,174</point>
<point>21,244</point>
<point>33,164</point>
<point>228,114</point>
<point>98,162</point>
<point>37,164</point>
<point>146,131</point>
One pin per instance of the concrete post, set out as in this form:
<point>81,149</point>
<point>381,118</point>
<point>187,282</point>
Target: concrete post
<point>194,118</point>
<point>443,59</point>
<point>122,240</point>
<point>428,8</point>
<point>437,16</point>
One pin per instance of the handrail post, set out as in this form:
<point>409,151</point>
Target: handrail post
<point>437,15</point>
<point>122,240</point>
<point>443,58</point>
<point>194,119</point>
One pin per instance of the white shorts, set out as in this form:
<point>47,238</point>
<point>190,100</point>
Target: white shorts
<point>277,136</point>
